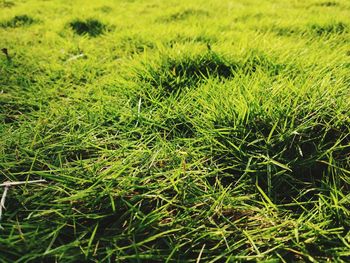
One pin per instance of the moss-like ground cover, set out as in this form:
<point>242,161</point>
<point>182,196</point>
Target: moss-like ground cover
<point>175,131</point>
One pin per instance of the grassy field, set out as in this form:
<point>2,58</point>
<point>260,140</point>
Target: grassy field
<point>175,131</point>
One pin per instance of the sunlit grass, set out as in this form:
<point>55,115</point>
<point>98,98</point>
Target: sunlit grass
<point>171,131</point>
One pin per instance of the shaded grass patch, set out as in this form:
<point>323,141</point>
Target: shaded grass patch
<point>18,21</point>
<point>335,28</point>
<point>11,111</point>
<point>184,15</point>
<point>91,27</point>
<point>289,166</point>
<point>7,4</point>
<point>248,17</point>
<point>284,31</point>
<point>174,74</point>
<point>105,9</point>
<point>183,39</point>
<point>134,45</point>
<point>327,4</point>
<point>320,30</point>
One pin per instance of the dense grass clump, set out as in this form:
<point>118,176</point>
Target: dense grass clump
<point>210,131</point>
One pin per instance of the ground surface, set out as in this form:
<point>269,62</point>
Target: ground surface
<point>175,131</point>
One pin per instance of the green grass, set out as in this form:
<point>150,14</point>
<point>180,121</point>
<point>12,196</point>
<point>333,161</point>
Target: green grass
<point>175,131</point>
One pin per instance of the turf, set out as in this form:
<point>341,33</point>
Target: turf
<point>175,131</point>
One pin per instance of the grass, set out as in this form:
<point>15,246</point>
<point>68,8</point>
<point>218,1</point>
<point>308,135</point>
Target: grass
<point>91,27</point>
<point>167,131</point>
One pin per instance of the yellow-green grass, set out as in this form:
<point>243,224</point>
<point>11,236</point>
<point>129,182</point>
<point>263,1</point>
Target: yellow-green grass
<point>175,131</point>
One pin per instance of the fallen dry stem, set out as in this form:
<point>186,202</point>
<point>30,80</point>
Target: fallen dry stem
<point>7,185</point>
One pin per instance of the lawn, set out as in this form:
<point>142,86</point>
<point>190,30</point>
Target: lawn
<point>175,131</point>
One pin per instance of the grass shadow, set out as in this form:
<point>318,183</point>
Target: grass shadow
<point>327,4</point>
<point>18,21</point>
<point>91,27</point>
<point>335,28</point>
<point>298,169</point>
<point>176,74</point>
<point>183,15</point>
<point>7,4</point>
